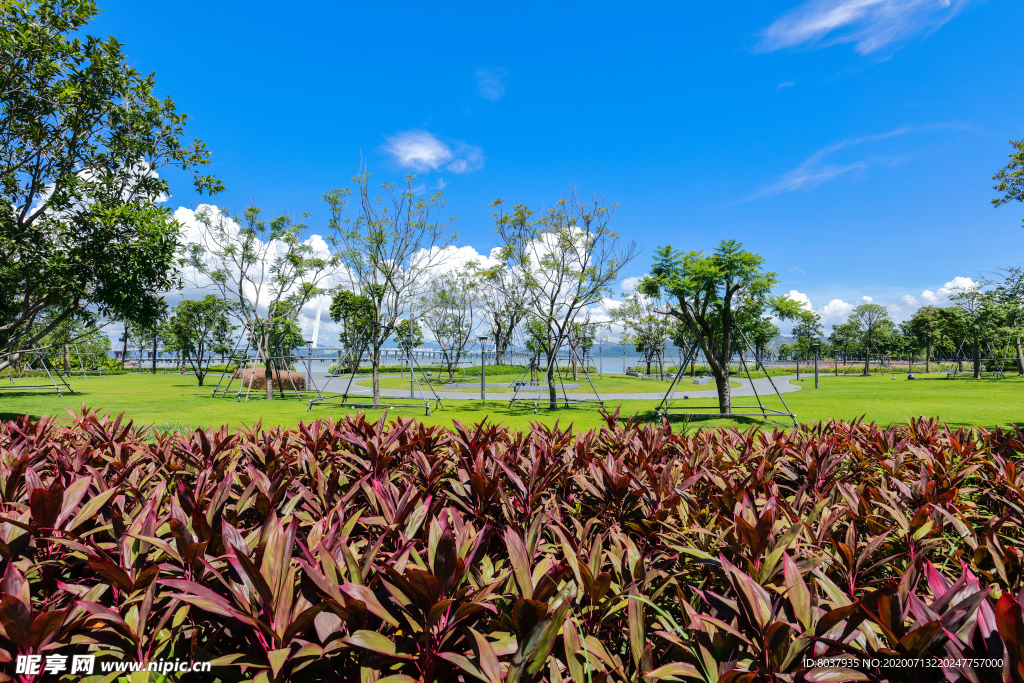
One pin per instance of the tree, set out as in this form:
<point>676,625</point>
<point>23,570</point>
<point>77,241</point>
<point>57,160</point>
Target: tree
<point>568,260</point>
<point>448,314</point>
<point>1009,296</point>
<point>709,293</point>
<point>537,338</point>
<point>396,239</point>
<point>582,333</point>
<point>502,303</point>
<point>264,269</point>
<point>357,317</point>
<point>82,233</point>
<point>870,320</point>
<point>980,319</point>
<point>926,328</point>
<point>197,328</point>
<point>408,335</point>
<point>762,333</point>
<point>1010,178</point>
<point>645,327</point>
<point>150,333</point>
<point>843,336</point>
<point>807,331</point>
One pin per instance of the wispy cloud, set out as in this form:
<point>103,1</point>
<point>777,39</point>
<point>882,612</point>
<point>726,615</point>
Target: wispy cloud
<point>490,83</point>
<point>820,168</point>
<point>421,151</point>
<point>870,24</point>
<point>785,84</point>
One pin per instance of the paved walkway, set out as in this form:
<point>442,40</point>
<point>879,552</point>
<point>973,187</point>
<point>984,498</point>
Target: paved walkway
<point>686,388</point>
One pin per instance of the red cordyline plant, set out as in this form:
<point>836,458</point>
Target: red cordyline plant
<point>392,552</point>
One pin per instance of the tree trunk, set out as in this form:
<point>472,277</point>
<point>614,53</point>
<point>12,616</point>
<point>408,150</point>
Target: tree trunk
<point>1020,356</point>
<point>867,357</point>
<point>67,359</point>
<point>269,370</point>
<point>153,367</point>
<point>928,357</point>
<point>124,349</point>
<point>552,392</point>
<point>375,362</point>
<point>977,357</point>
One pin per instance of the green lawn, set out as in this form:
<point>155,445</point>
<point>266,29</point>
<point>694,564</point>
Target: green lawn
<point>173,401</point>
<point>604,384</point>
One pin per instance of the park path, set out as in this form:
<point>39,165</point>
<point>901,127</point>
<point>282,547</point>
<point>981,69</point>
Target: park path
<point>764,387</point>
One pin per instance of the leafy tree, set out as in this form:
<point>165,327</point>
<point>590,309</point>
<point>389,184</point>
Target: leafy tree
<point>582,334</point>
<point>871,321</point>
<point>926,328</point>
<point>843,336</point>
<point>82,233</point>
<point>1010,178</point>
<point>149,334</point>
<point>197,328</point>
<point>357,317</point>
<point>568,260</point>
<point>1009,296</point>
<point>75,344</point>
<point>645,327</point>
<point>709,293</point>
<point>981,320</point>
<point>449,314</point>
<point>388,249</point>
<point>502,303</point>
<point>761,333</point>
<point>264,269</point>
<point>537,339</point>
<point>408,335</point>
<point>807,331</point>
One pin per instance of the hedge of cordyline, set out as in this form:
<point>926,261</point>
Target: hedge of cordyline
<point>393,552</point>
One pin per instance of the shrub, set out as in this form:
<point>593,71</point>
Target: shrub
<point>393,551</point>
<point>282,379</point>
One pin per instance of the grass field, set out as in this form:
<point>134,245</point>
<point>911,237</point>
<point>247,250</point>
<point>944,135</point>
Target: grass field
<point>604,384</point>
<point>175,402</point>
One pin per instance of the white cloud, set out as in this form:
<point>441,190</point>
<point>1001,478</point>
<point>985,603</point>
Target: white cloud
<point>422,152</point>
<point>801,299</point>
<point>910,300</point>
<point>868,299</point>
<point>870,24</point>
<point>785,84</point>
<point>822,166</point>
<point>957,284</point>
<point>490,84</point>
<point>630,284</point>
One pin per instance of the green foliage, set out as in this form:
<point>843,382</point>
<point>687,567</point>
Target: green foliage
<point>647,329</point>
<point>197,329</point>
<point>357,316</point>
<point>711,294</point>
<point>392,551</point>
<point>82,231</point>
<point>1010,178</point>
<point>408,335</point>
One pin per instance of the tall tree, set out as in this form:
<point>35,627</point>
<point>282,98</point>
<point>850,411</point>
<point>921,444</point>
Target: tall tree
<point>196,328</point>
<point>568,260</point>
<point>357,316</point>
<point>82,231</point>
<point>926,327</point>
<point>502,304</point>
<point>807,331</point>
<point>448,313</point>
<point>871,321</point>
<point>1010,178</point>
<point>1009,296</point>
<point>761,333</point>
<point>395,240</point>
<point>981,316</point>
<point>645,327</point>
<point>710,293</point>
<point>264,269</point>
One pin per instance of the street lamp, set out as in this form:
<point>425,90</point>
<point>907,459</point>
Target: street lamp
<point>483,369</point>
<point>816,346</point>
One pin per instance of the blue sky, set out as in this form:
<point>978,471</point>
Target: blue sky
<point>851,142</point>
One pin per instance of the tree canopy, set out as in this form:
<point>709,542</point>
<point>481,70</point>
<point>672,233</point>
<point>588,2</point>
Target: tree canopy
<point>709,293</point>
<point>82,134</point>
